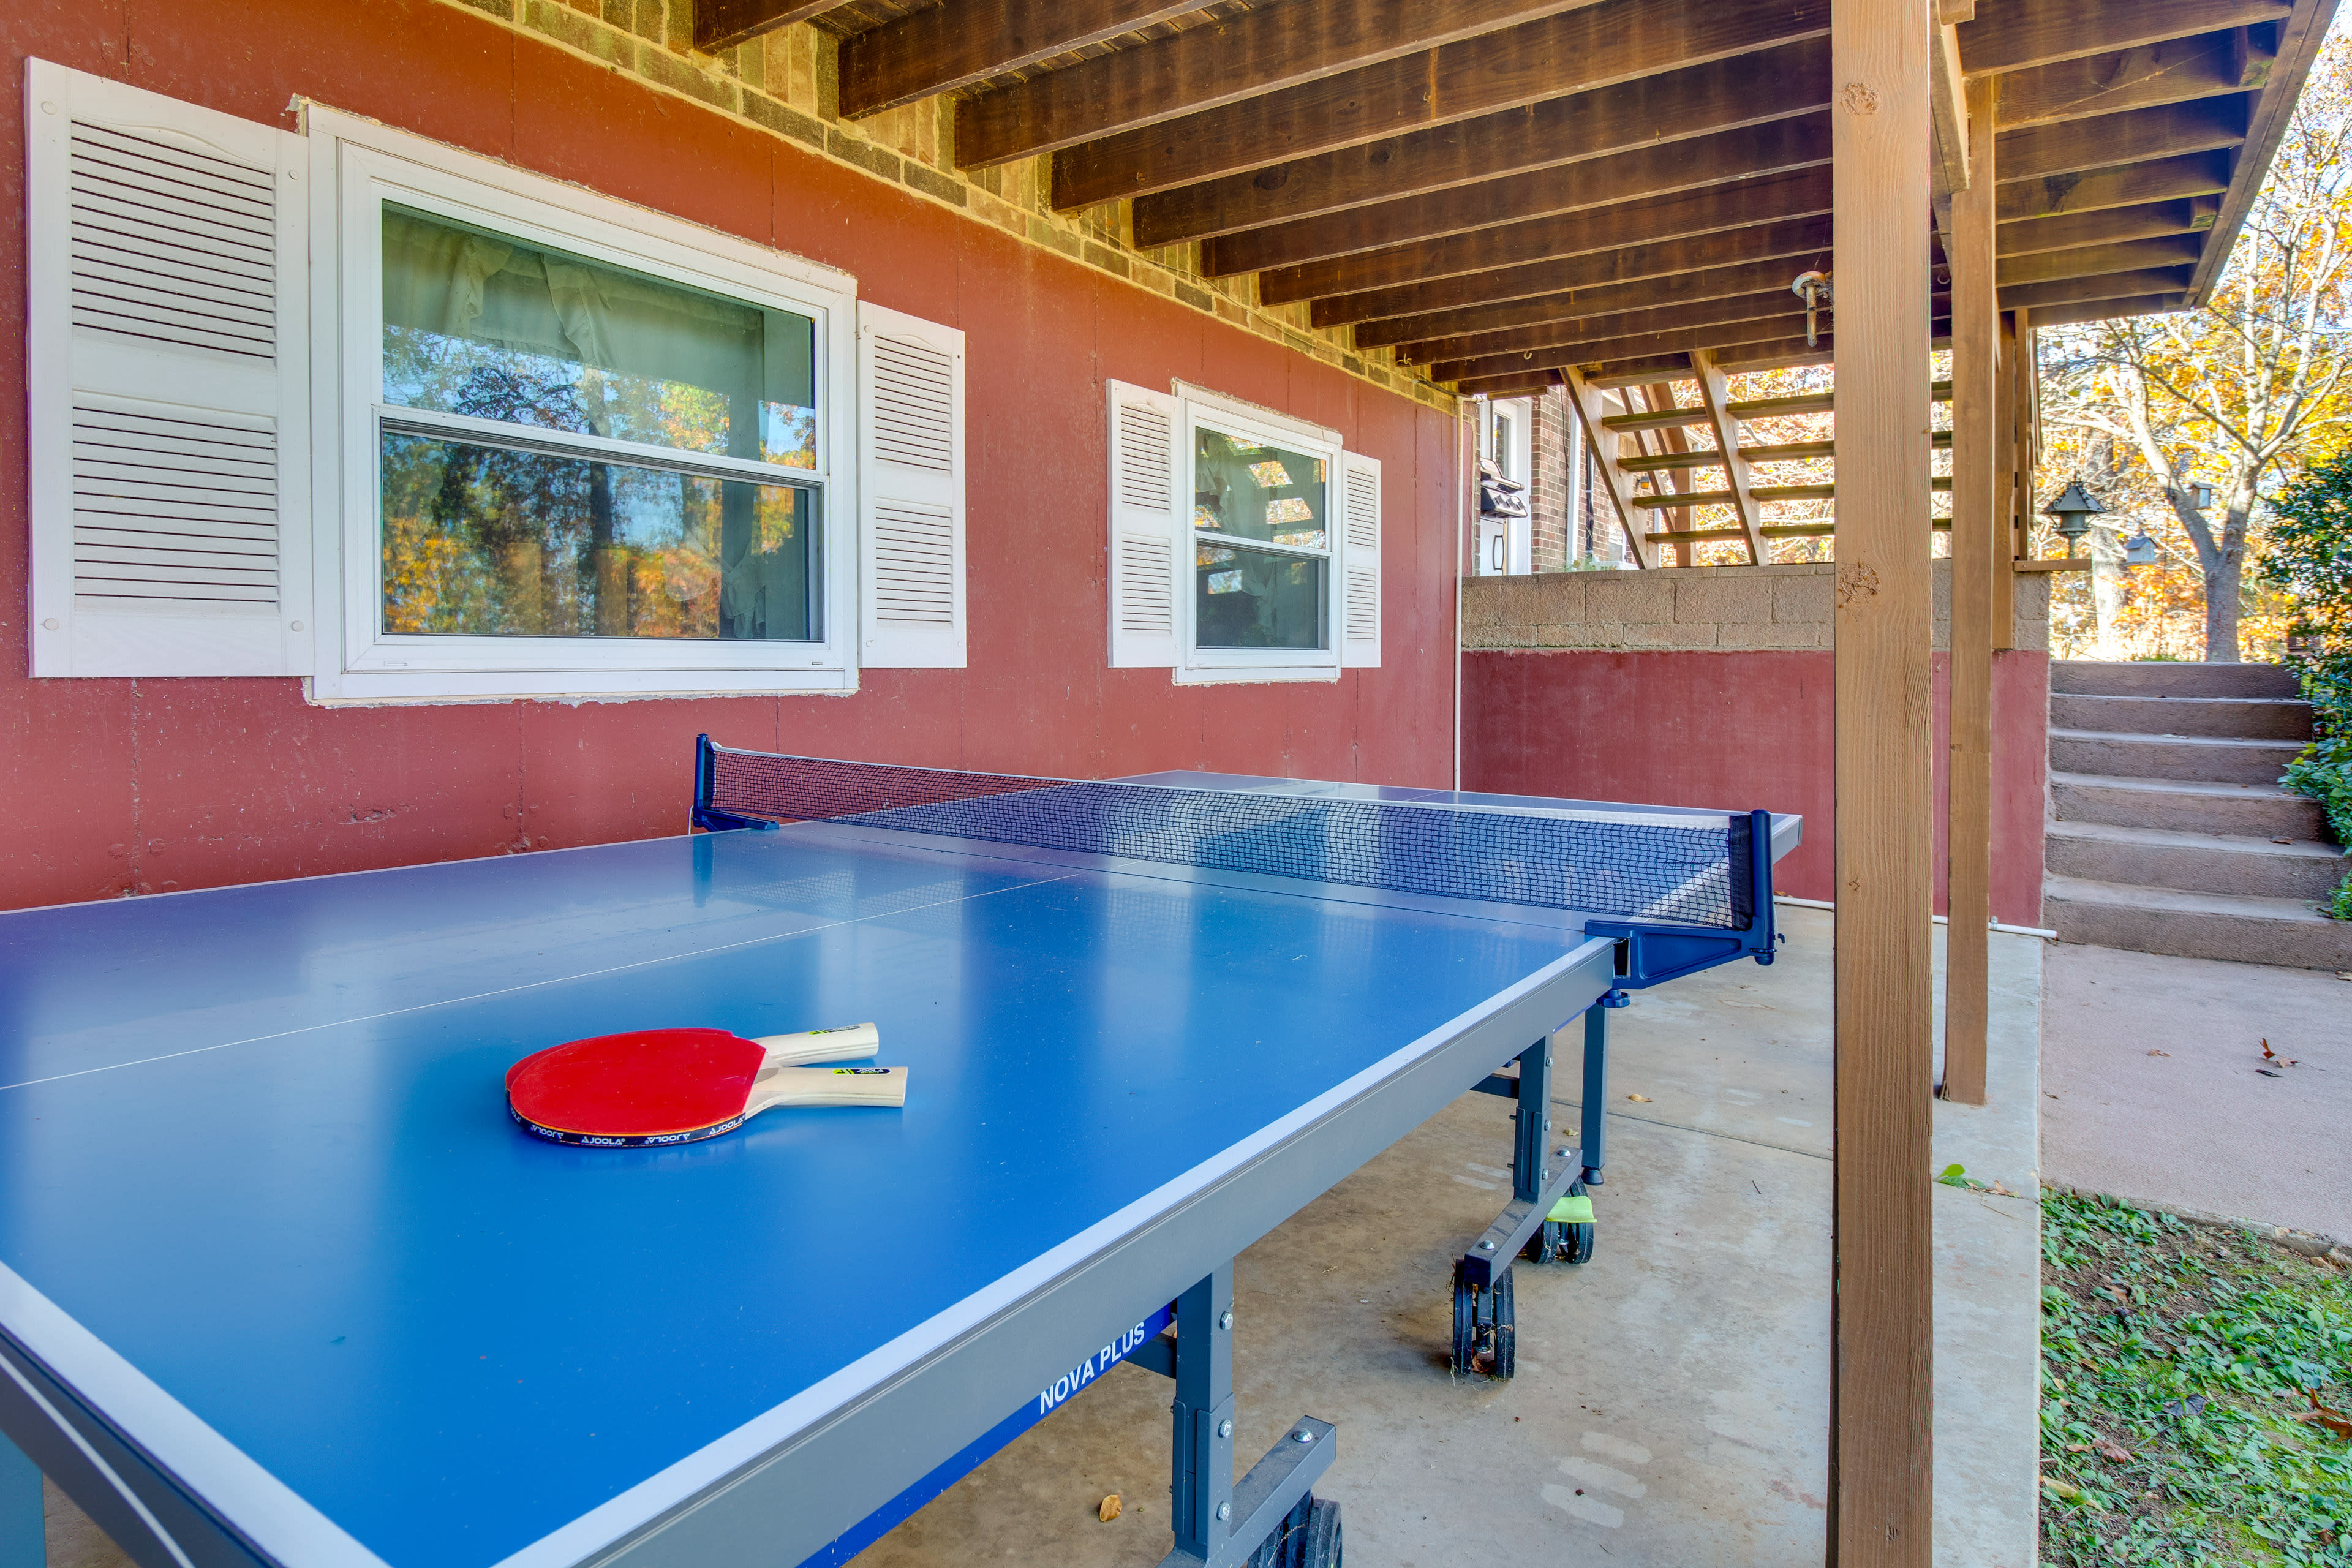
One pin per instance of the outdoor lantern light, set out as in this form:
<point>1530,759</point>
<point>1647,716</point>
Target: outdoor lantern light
<point>2073,509</point>
<point>2139,549</point>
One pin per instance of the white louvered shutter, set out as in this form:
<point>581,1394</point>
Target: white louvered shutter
<point>1149,528</point>
<point>166,373</point>
<point>1360,561</point>
<point>910,501</point>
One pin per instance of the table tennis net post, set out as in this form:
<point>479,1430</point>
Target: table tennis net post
<point>1699,871</point>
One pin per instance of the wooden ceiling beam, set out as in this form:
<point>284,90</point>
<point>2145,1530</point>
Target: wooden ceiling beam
<point>962,42</point>
<point>1578,328</point>
<point>1512,385</point>
<point>2136,136</point>
<point>1593,351</point>
<point>2236,59</point>
<point>1649,172</point>
<point>723,23</point>
<point>1577,51</point>
<point>2107,309</point>
<point>1255,55</point>
<point>1709,212</point>
<point>1638,371</point>
<point>2014,35</point>
<point>1742,261</point>
<point>2111,286</point>
<point>2110,226</point>
<point>1722,95</point>
<point>1641,345</point>
<point>2095,260</point>
<point>2191,174</point>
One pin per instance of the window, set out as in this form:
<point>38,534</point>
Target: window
<point>1281,528</point>
<point>577,453</point>
<point>424,427</point>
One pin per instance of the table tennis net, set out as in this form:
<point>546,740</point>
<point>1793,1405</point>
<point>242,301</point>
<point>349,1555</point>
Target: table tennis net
<point>1629,864</point>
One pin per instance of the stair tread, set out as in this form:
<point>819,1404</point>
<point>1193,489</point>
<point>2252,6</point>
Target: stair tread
<point>2206,788</point>
<point>2174,838</point>
<point>2150,738</point>
<point>2133,895</point>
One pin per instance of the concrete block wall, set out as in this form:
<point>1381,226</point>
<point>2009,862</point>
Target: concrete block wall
<point>1717,609</point>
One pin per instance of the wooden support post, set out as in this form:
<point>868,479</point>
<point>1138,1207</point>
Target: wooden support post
<point>1603,442</point>
<point>1714,394</point>
<point>1976,533</point>
<point>1882,1389</point>
<point>2004,488</point>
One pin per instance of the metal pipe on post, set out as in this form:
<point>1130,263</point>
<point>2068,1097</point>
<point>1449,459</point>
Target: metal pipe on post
<point>1882,1292</point>
<point>1975,533</point>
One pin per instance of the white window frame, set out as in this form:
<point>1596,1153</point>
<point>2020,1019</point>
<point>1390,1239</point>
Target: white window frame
<point>1229,416</point>
<point>356,165</point>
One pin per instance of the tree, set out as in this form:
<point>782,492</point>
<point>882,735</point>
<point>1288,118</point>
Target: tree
<point>2236,395</point>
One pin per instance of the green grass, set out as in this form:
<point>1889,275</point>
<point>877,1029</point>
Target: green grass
<point>2189,1350</point>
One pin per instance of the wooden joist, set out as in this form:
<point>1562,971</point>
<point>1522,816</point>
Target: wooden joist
<point>2173,71</point>
<point>2111,226</point>
<point>2091,261</point>
<point>1698,101</point>
<point>2103,309</point>
<point>2139,136</point>
<point>1587,47</point>
<point>2013,34</point>
<point>1560,291</point>
<point>2114,285</point>
<point>1707,222</point>
<point>723,23</point>
<point>2190,175</point>
<point>1699,163</point>
<point>961,43</point>
<point>1257,57</point>
<point>1670,339</point>
<point>1597,329</point>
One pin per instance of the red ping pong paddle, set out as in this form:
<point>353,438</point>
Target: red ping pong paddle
<point>652,1087</point>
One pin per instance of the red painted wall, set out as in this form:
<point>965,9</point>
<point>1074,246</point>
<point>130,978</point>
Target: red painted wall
<point>1739,731</point>
<point>114,787</point>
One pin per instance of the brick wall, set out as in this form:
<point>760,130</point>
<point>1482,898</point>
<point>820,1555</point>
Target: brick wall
<point>1721,607</point>
<point>1551,496</point>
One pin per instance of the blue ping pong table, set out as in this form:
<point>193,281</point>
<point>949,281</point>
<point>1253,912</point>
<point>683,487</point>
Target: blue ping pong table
<point>280,1282</point>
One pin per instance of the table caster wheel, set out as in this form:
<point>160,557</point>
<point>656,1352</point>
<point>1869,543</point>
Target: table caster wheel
<point>1307,1537</point>
<point>1484,1330</point>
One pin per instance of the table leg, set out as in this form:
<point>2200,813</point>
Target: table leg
<point>1219,1523</point>
<point>23,1542</point>
<point>1596,1089</point>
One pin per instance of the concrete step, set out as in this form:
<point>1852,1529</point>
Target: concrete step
<point>2234,718</point>
<point>2283,931</point>
<point>2207,758</point>
<point>2162,677</point>
<point>2194,862</point>
<point>2242,811</point>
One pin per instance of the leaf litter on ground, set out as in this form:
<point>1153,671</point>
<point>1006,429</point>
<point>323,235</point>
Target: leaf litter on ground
<point>2193,1378</point>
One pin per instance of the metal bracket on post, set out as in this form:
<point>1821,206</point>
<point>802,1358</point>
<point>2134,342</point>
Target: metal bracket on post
<point>706,818</point>
<point>1217,1523</point>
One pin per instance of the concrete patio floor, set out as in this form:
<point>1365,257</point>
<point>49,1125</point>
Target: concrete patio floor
<point>2153,1069</point>
<point>1672,1403</point>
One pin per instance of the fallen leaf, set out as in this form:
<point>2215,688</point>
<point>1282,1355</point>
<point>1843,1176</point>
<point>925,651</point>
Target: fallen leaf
<point>2269,1072</point>
<point>2335,1421</point>
<point>2065,1491</point>
<point>2078,1448</point>
<point>1109,1509</point>
<point>2159,1053</point>
<point>2275,1059</point>
<point>2114,1451</point>
<point>2282,840</point>
<point>1639,1098</point>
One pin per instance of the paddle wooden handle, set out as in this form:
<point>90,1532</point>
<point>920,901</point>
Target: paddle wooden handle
<point>851,1042</point>
<point>827,1086</point>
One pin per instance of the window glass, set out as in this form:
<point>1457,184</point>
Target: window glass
<point>495,329</point>
<point>1244,490</point>
<point>1255,598</point>
<point>491,541</point>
